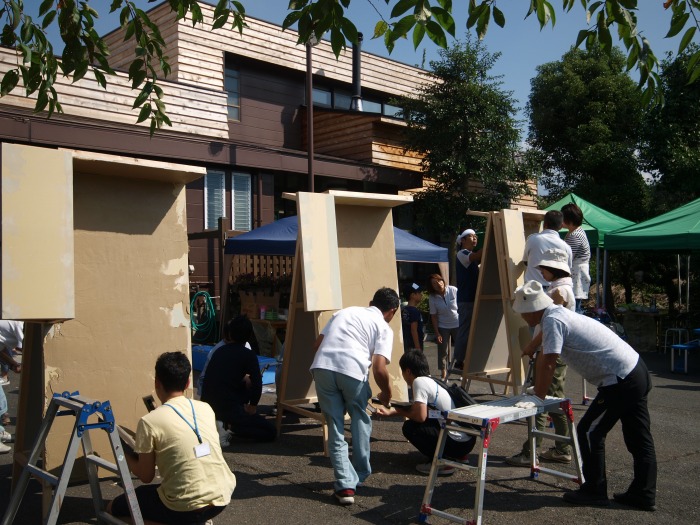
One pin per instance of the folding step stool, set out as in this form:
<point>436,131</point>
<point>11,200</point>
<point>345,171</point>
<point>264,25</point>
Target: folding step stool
<point>81,408</point>
<point>482,421</point>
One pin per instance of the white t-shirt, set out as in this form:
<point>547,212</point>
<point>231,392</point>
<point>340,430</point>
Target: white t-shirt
<point>428,392</point>
<point>535,246</point>
<point>561,289</point>
<point>350,339</point>
<point>189,482</point>
<point>591,348</point>
<point>11,334</point>
<point>445,307</point>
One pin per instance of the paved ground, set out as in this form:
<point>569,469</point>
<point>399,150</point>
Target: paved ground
<point>290,481</point>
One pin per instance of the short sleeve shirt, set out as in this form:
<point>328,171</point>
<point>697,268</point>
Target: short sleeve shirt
<point>410,315</point>
<point>428,392</point>
<point>590,347</point>
<point>445,307</point>
<point>11,334</point>
<point>189,483</point>
<point>350,339</point>
<point>535,246</point>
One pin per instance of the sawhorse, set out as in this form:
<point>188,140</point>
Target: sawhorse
<point>482,421</point>
<point>81,408</point>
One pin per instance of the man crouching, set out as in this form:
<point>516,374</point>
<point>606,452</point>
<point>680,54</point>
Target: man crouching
<point>179,437</point>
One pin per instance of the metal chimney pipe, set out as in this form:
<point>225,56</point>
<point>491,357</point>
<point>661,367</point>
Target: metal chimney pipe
<point>356,102</point>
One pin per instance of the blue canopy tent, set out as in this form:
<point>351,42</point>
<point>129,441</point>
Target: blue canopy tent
<point>280,238</point>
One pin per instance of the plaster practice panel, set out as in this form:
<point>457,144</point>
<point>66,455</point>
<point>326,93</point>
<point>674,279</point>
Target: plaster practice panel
<point>37,233</point>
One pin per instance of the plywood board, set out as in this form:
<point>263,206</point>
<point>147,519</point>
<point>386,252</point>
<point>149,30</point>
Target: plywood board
<point>38,280</point>
<point>367,263</point>
<point>319,242</point>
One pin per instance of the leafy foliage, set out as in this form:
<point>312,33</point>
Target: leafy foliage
<point>671,136</point>
<point>87,52</point>
<point>585,118</point>
<point>464,126</point>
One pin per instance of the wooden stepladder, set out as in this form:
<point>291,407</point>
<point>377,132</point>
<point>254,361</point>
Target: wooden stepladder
<point>82,409</point>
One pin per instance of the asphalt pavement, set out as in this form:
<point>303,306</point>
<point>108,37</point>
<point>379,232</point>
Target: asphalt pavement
<point>290,480</point>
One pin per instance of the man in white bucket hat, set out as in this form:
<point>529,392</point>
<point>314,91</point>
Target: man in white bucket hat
<point>623,382</point>
<point>555,270</point>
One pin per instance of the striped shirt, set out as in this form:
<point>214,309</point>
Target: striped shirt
<point>578,242</point>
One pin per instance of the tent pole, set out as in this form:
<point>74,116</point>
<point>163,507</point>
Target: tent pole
<point>680,287</point>
<point>605,274</point>
<point>597,276</point>
<point>687,285</point>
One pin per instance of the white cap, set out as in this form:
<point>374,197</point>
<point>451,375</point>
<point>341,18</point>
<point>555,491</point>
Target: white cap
<point>555,258</point>
<point>530,297</point>
<point>466,232</point>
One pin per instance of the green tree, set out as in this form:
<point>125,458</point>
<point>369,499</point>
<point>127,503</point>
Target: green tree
<point>671,137</point>
<point>85,51</point>
<point>585,119</point>
<point>464,126</point>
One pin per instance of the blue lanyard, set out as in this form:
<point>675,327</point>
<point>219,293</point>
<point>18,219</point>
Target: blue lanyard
<point>194,428</point>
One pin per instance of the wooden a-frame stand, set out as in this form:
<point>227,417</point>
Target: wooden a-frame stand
<point>345,252</point>
<point>497,333</point>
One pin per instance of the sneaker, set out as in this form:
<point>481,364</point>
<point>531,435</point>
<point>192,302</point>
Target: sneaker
<point>443,470</point>
<point>521,460</point>
<point>6,437</point>
<point>625,498</point>
<point>345,496</point>
<point>582,497</point>
<point>554,455</point>
<point>209,522</point>
<point>4,449</point>
<point>4,380</point>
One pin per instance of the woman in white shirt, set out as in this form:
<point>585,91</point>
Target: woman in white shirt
<point>444,318</point>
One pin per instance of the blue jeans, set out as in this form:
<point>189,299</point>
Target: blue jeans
<point>3,406</point>
<point>337,394</point>
<point>465,311</point>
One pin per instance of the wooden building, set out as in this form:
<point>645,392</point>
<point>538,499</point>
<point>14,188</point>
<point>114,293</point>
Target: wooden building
<point>238,108</point>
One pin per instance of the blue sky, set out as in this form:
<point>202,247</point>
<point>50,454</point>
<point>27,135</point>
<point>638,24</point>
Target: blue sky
<point>521,43</point>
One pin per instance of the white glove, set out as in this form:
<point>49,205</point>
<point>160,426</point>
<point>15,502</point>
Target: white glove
<point>529,402</point>
<point>530,390</point>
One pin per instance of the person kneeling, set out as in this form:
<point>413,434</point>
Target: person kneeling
<point>421,430</point>
<point>180,438</point>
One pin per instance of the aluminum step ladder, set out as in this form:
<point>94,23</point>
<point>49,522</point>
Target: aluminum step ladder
<point>82,409</point>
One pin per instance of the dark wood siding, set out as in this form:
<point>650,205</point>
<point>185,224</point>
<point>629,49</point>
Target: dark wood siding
<point>270,104</point>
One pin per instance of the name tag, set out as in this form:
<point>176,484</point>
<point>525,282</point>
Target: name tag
<point>434,414</point>
<point>202,450</point>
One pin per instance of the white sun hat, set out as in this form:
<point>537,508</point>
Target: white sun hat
<point>530,297</point>
<point>555,258</point>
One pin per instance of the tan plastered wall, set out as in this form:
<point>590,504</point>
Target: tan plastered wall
<point>131,299</point>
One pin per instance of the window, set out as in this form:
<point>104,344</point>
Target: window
<point>214,204</point>
<point>392,111</point>
<point>241,201</point>
<point>322,97</point>
<point>232,86</point>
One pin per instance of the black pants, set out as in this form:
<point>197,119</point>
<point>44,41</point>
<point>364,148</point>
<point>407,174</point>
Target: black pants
<point>251,426</point>
<point>625,401</point>
<point>424,436</point>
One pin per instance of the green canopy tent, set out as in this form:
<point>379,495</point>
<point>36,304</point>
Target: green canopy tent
<point>677,231</point>
<point>597,223</point>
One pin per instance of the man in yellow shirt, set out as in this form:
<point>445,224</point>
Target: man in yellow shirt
<point>181,439</point>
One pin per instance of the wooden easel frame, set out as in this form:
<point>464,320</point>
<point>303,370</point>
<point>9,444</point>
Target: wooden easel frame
<point>496,350</point>
<point>365,253</point>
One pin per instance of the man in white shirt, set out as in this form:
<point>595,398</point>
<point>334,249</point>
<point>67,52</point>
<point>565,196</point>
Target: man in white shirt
<point>623,382</point>
<point>354,340</point>
<point>538,243</point>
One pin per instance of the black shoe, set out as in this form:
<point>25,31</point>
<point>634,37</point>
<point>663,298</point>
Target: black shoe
<point>581,497</point>
<point>458,365</point>
<point>625,498</point>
